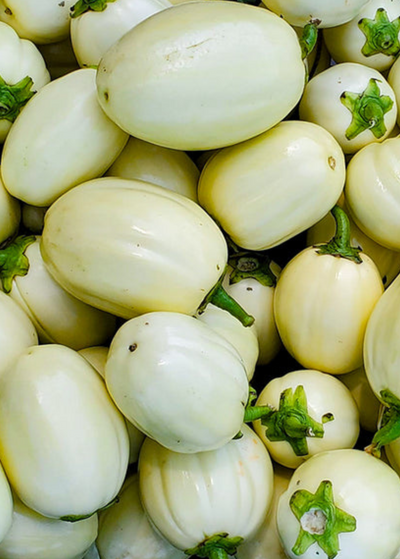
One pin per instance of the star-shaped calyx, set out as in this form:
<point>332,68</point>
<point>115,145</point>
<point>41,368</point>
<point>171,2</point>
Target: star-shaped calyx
<point>381,34</point>
<point>14,97</point>
<point>13,261</point>
<point>368,110</point>
<point>320,520</point>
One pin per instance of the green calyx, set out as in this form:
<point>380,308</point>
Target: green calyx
<point>13,261</point>
<point>381,34</point>
<point>291,422</point>
<point>254,265</point>
<point>340,244</point>
<point>220,298</point>
<point>78,517</point>
<point>308,38</point>
<point>368,110</point>
<point>219,546</point>
<point>83,6</point>
<point>14,97</point>
<point>320,520</point>
<point>390,424</point>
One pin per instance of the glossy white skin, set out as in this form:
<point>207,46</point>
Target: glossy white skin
<point>373,194</point>
<point>46,21</point>
<point>34,536</point>
<point>265,542</point>
<point>386,260</point>
<point>329,12</point>
<point>322,306</point>
<point>178,381</point>
<point>181,101</point>
<point>58,316</point>
<point>125,531</point>
<point>10,214</point>
<point>97,357</point>
<point>190,497</point>
<point>6,505</point>
<point>325,394</point>
<point>19,58</point>
<point>321,102</point>
<point>367,403</point>
<point>364,487</point>
<point>381,355</point>
<point>62,138</point>
<point>130,236</point>
<point>93,33</point>
<point>64,445</point>
<point>172,169</point>
<point>262,201</point>
<point>243,338</point>
<point>258,301</point>
<point>16,331</point>
<point>345,42</point>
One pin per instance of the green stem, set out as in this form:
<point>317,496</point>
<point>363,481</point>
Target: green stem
<point>390,424</point>
<point>367,109</point>
<point>220,298</point>
<point>308,38</point>
<point>13,261</point>
<point>381,34</point>
<point>321,521</point>
<point>83,6</point>
<point>219,546</point>
<point>340,244</point>
<point>291,422</point>
<point>254,265</point>
<point>14,97</point>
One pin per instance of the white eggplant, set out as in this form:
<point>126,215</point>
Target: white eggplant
<point>355,103</point>
<point>188,78</point>
<point>371,38</point>
<point>10,214</point>
<point>63,444</point>
<point>93,31</point>
<point>22,72</point>
<point>33,536</point>
<point>201,502</point>
<point>17,332</point>
<point>178,381</point>
<point>172,169</point>
<point>58,316</point>
<point>266,190</point>
<point>6,505</point>
<point>341,503</point>
<point>154,251</point>
<point>309,412</point>
<point>46,21</point>
<point>327,13</point>
<point>60,139</point>
<point>323,300</point>
<point>367,403</point>
<point>125,530</point>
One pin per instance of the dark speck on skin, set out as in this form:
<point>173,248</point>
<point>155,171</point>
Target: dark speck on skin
<point>106,96</point>
<point>8,12</point>
<point>146,323</point>
<point>62,4</point>
<point>249,289</point>
<point>132,347</point>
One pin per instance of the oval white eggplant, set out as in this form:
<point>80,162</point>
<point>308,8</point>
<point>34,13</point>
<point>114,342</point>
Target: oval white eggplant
<point>46,21</point>
<point>125,530</point>
<point>10,214</point>
<point>156,250</point>
<point>192,497</point>
<point>58,317</point>
<point>61,139</point>
<point>188,78</point>
<point>266,190</point>
<point>172,169</point>
<point>94,32</point>
<point>63,444</point>
<point>178,381</point>
<point>34,536</point>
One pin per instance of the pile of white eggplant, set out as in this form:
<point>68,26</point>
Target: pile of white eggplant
<point>199,269</point>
